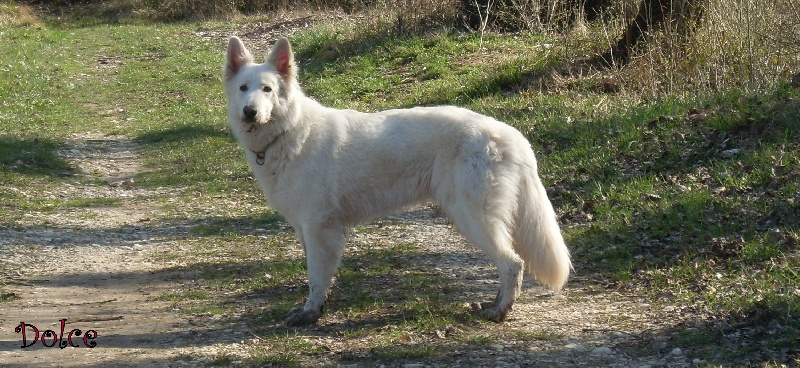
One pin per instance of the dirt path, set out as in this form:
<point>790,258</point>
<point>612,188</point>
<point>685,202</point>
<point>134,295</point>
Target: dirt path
<point>92,267</point>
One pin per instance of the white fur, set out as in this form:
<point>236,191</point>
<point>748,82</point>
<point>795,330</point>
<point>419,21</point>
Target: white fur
<point>325,170</point>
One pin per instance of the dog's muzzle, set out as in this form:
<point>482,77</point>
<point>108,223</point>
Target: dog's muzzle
<point>249,117</point>
<point>249,114</point>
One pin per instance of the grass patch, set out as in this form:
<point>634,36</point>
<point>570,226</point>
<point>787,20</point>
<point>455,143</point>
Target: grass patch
<point>187,295</point>
<point>284,349</point>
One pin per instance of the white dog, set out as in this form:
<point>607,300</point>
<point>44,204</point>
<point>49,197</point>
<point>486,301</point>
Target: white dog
<point>326,170</point>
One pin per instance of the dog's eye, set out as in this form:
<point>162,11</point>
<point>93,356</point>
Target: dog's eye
<point>243,87</point>
<point>267,89</point>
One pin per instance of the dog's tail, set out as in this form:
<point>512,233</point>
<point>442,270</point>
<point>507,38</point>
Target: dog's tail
<point>537,238</point>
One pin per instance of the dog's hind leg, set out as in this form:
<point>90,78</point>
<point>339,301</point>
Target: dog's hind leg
<point>323,246</point>
<point>490,234</point>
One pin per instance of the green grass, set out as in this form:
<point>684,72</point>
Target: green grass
<point>690,199</point>
<point>284,349</point>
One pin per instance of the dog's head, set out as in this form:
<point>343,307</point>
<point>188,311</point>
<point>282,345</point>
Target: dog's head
<point>258,93</point>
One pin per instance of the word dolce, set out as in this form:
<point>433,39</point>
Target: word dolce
<point>88,337</point>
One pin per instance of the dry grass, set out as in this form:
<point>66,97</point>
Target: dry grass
<point>16,15</point>
<point>406,15</point>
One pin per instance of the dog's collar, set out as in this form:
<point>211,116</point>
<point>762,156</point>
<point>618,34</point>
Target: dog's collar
<point>260,155</point>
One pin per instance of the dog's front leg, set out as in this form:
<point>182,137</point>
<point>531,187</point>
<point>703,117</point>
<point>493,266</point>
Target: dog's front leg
<point>323,247</point>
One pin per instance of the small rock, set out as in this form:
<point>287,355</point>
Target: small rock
<point>659,344</point>
<point>653,196</point>
<point>602,350</point>
<point>699,324</point>
<point>731,152</point>
<point>575,348</point>
<point>697,361</point>
<point>724,327</point>
<point>676,352</point>
<point>497,347</point>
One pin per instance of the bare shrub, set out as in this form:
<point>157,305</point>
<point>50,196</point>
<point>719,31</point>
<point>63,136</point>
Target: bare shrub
<point>731,44</point>
<point>414,16</point>
<point>742,43</point>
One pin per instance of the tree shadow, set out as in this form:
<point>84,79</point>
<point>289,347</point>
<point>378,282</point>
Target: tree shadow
<point>33,156</point>
<point>508,79</point>
<point>146,232</point>
<point>182,133</point>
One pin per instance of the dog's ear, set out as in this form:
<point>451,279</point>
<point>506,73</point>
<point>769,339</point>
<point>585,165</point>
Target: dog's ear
<point>282,58</point>
<point>237,56</point>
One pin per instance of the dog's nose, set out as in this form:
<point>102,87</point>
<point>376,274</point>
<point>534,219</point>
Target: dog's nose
<point>249,112</point>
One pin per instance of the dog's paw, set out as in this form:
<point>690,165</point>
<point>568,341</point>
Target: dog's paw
<point>490,311</point>
<point>302,317</point>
